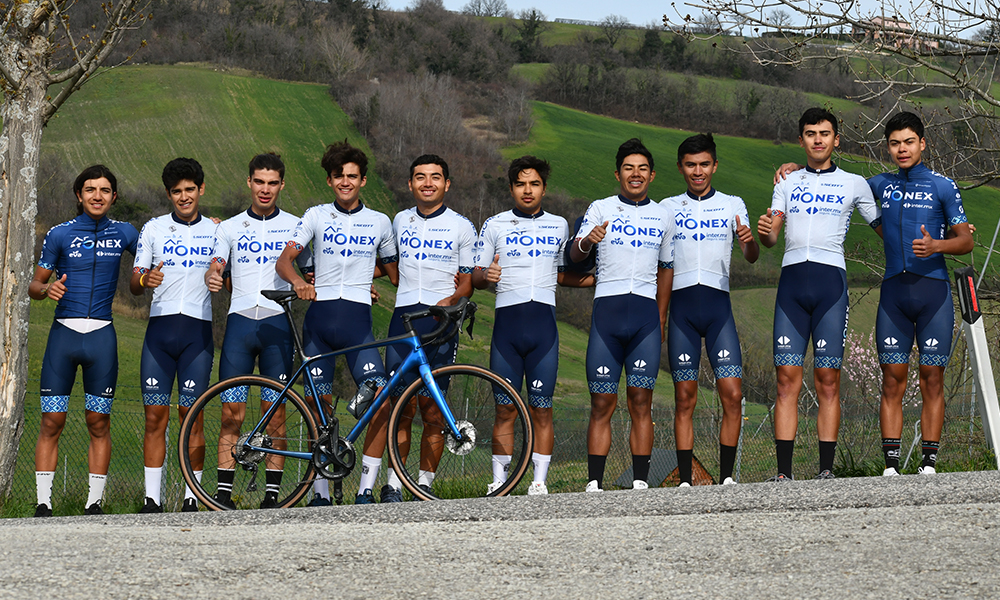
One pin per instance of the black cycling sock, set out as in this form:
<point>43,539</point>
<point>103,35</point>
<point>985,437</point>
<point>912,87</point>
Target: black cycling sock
<point>640,467</point>
<point>930,452</point>
<point>727,459</point>
<point>784,449</point>
<point>890,450</point>
<point>684,460</point>
<point>273,479</point>
<point>595,468</point>
<point>827,452</point>
<point>225,488</point>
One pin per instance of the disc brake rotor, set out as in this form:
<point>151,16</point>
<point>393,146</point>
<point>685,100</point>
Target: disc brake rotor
<point>468,442</point>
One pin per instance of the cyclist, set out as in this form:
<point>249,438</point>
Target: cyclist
<point>84,254</point>
<point>247,247</point>
<point>347,237</point>
<point>521,252</point>
<point>634,278</point>
<point>436,247</point>
<point>925,220</point>
<point>708,222</point>
<point>812,299</point>
<point>175,251</point>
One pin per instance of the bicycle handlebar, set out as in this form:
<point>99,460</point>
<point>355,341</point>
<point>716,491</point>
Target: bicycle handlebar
<point>451,317</point>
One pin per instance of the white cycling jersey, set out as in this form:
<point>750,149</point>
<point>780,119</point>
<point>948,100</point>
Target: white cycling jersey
<point>703,244</point>
<point>345,246</point>
<point>817,207</point>
<point>432,249</point>
<point>531,255</point>
<point>639,240</point>
<point>186,252</point>
<point>249,246</point>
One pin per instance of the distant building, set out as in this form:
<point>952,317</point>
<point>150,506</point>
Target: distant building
<point>895,31</point>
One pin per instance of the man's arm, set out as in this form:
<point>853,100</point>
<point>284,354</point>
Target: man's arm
<point>575,279</point>
<point>40,289</point>
<point>285,268</point>
<point>142,279</point>
<point>463,288</point>
<point>664,285</point>
<point>483,277</point>
<point>751,251</point>
<point>768,227</point>
<point>390,269</point>
<point>582,246</point>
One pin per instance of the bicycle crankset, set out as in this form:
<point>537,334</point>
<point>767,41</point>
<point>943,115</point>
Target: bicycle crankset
<point>333,458</point>
<point>468,442</point>
<point>250,458</point>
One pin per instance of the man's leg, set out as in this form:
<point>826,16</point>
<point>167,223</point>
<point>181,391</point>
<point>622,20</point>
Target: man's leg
<point>685,399</point>
<point>827,383</point>
<point>792,327</point>
<point>786,415</point>
<point>602,408</point>
<point>731,395</point>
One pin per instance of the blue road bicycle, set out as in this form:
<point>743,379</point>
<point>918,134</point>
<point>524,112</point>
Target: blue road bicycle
<point>275,440</point>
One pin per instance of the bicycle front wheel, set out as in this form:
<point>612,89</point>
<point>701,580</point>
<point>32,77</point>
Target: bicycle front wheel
<point>216,431</point>
<point>492,418</point>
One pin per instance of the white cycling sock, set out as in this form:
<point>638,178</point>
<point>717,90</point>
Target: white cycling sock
<point>541,462</point>
<point>426,478</point>
<point>321,486</point>
<point>153,477</point>
<point>393,479</point>
<point>188,494</point>
<point>96,493</point>
<point>43,486</point>
<point>501,466</point>
<point>369,472</point>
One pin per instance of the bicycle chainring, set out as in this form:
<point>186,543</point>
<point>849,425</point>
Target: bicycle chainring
<point>468,442</point>
<point>334,461</point>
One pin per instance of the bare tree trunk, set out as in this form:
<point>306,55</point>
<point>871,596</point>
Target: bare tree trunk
<point>19,154</point>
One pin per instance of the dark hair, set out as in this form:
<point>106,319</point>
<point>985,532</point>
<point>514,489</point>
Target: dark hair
<point>95,172</point>
<point>181,169</point>
<point>339,154</point>
<point>816,115</point>
<point>904,120</point>
<point>696,144</point>
<point>529,162</point>
<point>268,161</point>
<point>633,146</point>
<point>429,159</point>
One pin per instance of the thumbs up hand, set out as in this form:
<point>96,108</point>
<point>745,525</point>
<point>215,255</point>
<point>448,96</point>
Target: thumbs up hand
<point>494,271</point>
<point>924,246</point>
<point>154,277</point>
<point>743,232</point>
<point>57,288</point>
<point>765,224</point>
<point>213,277</point>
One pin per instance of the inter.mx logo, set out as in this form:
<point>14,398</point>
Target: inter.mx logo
<point>639,363</point>
<point>152,381</point>
<point>316,371</point>
<point>369,367</point>
<point>684,358</point>
<point>890,342</point>
<point>536,384</point>
<point>603,371</point>
<point>784,340</point>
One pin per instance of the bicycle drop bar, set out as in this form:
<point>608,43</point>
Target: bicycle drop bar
<point>451,317</point>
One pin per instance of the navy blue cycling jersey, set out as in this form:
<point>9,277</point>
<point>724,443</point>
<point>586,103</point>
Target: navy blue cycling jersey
<point>911,198</point>
<point>88,252</point>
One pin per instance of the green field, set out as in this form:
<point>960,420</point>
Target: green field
<point>135,119</point>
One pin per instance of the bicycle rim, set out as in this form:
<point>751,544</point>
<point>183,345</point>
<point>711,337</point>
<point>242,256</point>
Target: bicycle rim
<point>228,411</point>
<point>463,469</point>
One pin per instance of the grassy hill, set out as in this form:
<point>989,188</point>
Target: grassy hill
<point>134,119</point>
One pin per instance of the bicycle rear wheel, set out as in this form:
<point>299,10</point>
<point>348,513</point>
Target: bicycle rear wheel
<point>463,469</point>
<point>227,413</point>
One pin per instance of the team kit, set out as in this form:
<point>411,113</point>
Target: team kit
<point>660,272</point>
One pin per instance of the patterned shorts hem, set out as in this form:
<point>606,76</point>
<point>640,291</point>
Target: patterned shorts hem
<point>156,399</point>
<point>828,362</point>
<point>788,360</point>
<point>684,375</point>
<point>55,404</point>
<point>98,404</point>
<point>934,360</point>
<point>640,381</point>
<point>893,358</point>
<point>603,387</point>
<point>725,371</point>
<point>539,401</point>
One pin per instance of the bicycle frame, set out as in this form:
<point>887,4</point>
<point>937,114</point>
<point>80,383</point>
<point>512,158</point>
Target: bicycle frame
<point>416,360</point>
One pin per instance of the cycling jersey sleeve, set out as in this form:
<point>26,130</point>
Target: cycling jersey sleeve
<point>144,251</point>
<point>951,202</point>
<point>561,258</point>
<point>591,219</point>
<point>778,200</point>
<point>864,202</point>
<point>387,250</point>
<point>222,249</point>
<point>666,258</point>
<point>486,246</point>
<point>467,248</point>
<point>50,249</point>
<point>304,231</point>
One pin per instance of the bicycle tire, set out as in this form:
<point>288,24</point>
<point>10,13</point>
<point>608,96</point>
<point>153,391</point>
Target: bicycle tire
<point>294,427</point>
<point>465,471</point>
